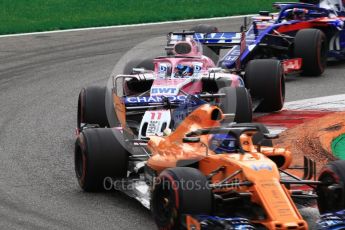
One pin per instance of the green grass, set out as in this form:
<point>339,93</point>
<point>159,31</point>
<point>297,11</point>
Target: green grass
<point>39,15</point>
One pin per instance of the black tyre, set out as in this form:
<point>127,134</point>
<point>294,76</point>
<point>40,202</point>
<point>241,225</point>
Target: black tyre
<point>265,80</point>
<point>258,138</point>
<point>99,154</point>
<point>331,195</point>
<point>311,46</point>
<point>211,52</point>
<point>91,107</point>
<point>145,63</point>
<point>180,190</point>
<point>237,101</point>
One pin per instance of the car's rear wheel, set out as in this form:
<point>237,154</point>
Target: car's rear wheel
<point>91,107</point>
<point>98,155</point>
<point>237,101</point>
<point>265,80</point>
<point>331,193</point>
<point>179,191</point>
<point>311,46</point>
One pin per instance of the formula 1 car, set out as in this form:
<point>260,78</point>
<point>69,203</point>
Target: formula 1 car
<point>302,36</point>
<point>184,78</point>
<point>206,175</point>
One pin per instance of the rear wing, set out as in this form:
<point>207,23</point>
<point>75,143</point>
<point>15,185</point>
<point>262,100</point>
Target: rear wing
<point>238,41</point>
<point>223,39</point>
<point>219,39</point>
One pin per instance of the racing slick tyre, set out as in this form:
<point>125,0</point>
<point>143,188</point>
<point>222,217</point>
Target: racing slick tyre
<point>145,63</point>
<point>258,138</point>
<point>237,101</point>
<point>311,46</point>
<point>91,107</point>
<point>211,52</point>
<point>331,193</point>
<point>178,191</point>
<point>98,155</point>
<point>266,81</point>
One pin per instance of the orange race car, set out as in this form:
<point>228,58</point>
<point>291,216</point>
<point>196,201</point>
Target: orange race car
<point>207,175</point>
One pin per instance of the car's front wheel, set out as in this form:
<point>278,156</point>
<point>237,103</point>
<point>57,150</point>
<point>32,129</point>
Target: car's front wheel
<point>331,193</point>
<point>236,101</point>
<point>99,155</point>
<point>311,46</point>
<point>179,191</point>
<point>266,81</point>
<point>91,107</point>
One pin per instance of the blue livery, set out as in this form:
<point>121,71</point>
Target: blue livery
<point>272,35</point>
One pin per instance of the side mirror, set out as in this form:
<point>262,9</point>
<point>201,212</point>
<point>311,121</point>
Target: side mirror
<point>191,139</point>
<point>215,70</point>
<point>138,70</point>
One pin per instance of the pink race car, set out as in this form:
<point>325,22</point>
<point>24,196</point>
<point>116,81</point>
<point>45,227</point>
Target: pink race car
<point>159,94</point>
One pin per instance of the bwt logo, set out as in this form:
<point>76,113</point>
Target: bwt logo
<point>163,90</point>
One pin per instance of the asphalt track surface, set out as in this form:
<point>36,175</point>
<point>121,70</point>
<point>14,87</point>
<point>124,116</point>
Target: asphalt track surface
<point>40,78</point>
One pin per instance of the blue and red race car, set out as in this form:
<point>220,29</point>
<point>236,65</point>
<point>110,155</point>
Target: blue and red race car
<point>304,36</point>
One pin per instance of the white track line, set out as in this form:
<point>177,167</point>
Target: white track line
<point>124,26</point>
<point>332,103</point>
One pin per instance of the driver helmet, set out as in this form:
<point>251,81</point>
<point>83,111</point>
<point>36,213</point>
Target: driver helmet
<point>296,14</point>
<point>184,70</point>
<point>299,14</point>
<point>223,143</point>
